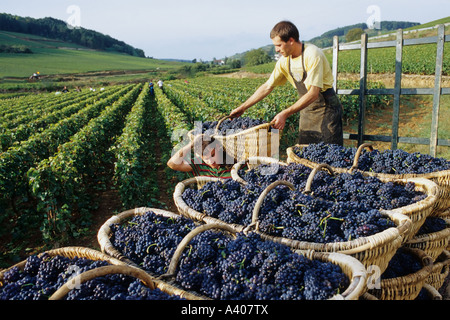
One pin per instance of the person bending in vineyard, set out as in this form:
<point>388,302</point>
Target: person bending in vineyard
<point>203,156</point>
<point>308,71</point>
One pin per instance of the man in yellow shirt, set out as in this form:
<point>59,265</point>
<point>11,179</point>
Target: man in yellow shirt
<point>307,69</point>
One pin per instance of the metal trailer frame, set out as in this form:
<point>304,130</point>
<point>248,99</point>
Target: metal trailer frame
<point>397,91</point>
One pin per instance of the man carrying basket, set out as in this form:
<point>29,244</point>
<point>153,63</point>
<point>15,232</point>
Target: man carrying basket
<point>307,69</point>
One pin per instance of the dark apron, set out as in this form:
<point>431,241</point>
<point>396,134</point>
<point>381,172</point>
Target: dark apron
<point>321,121</point>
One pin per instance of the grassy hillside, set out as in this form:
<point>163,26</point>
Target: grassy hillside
<point>52,57</point>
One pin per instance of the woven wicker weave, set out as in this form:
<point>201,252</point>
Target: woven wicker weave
<point>351,267</point>
<point>256,141</point>
<point>407,287</point>
<point>432,243</point>
<point>440,271</point>
<point>441,178</point>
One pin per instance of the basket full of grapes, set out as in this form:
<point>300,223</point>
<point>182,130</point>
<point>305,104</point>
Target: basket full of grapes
<point>220,263</point>
<point>118,282</point>
<point>41,275</point>
<point>414,197</point>
<point>242,137</point>
<point>284,213</point>
<point>387,164</point>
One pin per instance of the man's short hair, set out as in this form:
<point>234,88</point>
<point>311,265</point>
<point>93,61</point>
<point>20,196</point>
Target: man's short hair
<point>285,30</point>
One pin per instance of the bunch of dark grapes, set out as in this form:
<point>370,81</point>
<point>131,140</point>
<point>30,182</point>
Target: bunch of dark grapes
<point>388,161</point>
<point>432,225</point>
<point>150,240</point>
<point>249,268</point>
<point>356,187</point>
<point>117,287</point>
<point>229,126</point>
<point>403,263</point>
<point>42,276</point>
<point>287,213</point>
<point>334,155</point>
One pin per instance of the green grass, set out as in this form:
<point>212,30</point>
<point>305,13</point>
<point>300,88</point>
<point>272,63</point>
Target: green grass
<point>51,57</point>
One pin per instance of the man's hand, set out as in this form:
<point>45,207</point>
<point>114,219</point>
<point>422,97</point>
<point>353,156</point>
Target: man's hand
<point>236,113</point>
<point>279,121</point>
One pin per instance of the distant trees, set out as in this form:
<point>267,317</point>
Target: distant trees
<point>354,34</point>
<point>57,29</point>
<point>256,57</point>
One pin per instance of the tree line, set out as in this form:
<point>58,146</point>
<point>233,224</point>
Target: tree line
<point>57,29</point>
<point>326,39</point>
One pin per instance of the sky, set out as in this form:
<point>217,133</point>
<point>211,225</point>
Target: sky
<point>208,29</point>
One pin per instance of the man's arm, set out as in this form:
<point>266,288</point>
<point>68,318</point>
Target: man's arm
<point>263,91</point>
<point>178,161</point>
<point>302,103</point>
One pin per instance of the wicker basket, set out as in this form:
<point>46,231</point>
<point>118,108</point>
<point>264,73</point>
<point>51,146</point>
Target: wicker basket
<point>374,250</point>
<point>432,243</point>
<point>407,287</point>
<point>441,178</point>
<point>104,233</point>
<point>256,141</point>
<point>71,253</point>
<point>351,267</point>
<point>131,271</point>
<point>417,212</point>
<point>440,271</point>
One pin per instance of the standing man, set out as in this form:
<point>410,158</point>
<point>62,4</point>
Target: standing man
<point>307,69</point>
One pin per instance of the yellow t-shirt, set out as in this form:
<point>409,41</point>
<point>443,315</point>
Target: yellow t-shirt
<point>316,64</point>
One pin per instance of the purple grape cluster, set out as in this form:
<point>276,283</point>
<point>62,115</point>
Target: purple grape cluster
<point>403,263</point>
<point>150,240</point>
<point>43,275</point>
<point>388,161</point>
<point>249,268</point>
<point>229,126</point>
<point>287,213</point>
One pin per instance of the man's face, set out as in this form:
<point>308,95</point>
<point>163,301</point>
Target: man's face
<point>284,48</point>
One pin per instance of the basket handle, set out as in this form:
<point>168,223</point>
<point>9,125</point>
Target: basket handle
<point>220,122</point>
<point>358,153</point>
<point>313,173</point>
<point>183,244</point>
<point>260,200</point>
<point>100,272</point>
